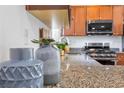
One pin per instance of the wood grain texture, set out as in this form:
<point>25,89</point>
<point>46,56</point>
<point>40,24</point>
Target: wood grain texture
<point>120,58</point>
<point>46,7</point>
<point>80,21</point>
<point>106,12</point>
<point>117,20</point>
<point>93,12</point>
<point>69,31</point>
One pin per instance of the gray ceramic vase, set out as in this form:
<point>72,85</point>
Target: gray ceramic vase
<point>51,61</point>
<point>21,53</point>
<point>22,71</point>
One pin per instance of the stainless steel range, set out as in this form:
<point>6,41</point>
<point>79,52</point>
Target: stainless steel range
<point>101,52</point>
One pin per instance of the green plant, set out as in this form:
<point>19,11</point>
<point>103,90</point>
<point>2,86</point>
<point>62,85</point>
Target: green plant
<point>43,41</point>
<point>61,46</point>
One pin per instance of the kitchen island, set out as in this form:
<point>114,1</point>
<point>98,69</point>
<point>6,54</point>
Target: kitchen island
<point>81,71</point>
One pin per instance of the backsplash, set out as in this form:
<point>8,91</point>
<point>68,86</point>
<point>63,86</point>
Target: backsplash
<point>80,41</point>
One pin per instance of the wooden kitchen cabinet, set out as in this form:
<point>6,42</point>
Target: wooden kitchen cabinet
<point>80,20</point>
<point>69,31</point>
<point>120,58</point>
<point>93,12</point>
<point>99,12</point>
<point>81,14</point>
<point>106,12</point>
<point>77,23</point>
<point>117,20</point>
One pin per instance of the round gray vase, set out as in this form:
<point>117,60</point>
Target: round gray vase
<point>21,71</point>
<point>51,61</point>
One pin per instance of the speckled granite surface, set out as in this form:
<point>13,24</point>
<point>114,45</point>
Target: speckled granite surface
<point>78,75</point>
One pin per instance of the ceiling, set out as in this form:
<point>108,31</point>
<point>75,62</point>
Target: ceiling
<point>53,18</point>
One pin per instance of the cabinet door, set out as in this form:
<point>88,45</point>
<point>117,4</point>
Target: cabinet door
<point>69,31</point>
<point>80,20</point>
<point>106,12</point>
<point>120,62</point>
<point>118,20</point>
<point>120,58</point>
<point>93,12</point>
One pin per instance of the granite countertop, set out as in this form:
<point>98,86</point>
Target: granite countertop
<point>79,74</point>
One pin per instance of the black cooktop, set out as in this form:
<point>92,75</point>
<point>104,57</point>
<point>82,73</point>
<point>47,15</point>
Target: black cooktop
<point>103,56</point>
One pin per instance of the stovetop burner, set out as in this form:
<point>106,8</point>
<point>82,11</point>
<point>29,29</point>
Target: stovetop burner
<point>101,54</point>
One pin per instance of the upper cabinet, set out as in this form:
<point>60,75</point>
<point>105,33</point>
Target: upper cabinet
<point>99,12</point>
<point>50,13</point>
<point>117,20</point>
<point>77,22</point>
<point>106,12</point>
<point>69,31</point>
<point>81,14</point>
<point>80,20</point>
<point>92,12</point>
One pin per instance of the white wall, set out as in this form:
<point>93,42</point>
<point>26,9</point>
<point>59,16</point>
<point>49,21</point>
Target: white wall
<point>1,41</point>
<point>115,41</point>
<point>56,34</point>
<point>17,29</point>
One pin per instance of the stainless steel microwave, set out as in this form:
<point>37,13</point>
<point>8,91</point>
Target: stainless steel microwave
<point>99,27</point>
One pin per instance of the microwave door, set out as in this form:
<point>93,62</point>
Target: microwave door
<point>100,28</point>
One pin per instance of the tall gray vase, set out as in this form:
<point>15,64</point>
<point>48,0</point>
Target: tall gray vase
<point>51,61</point>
